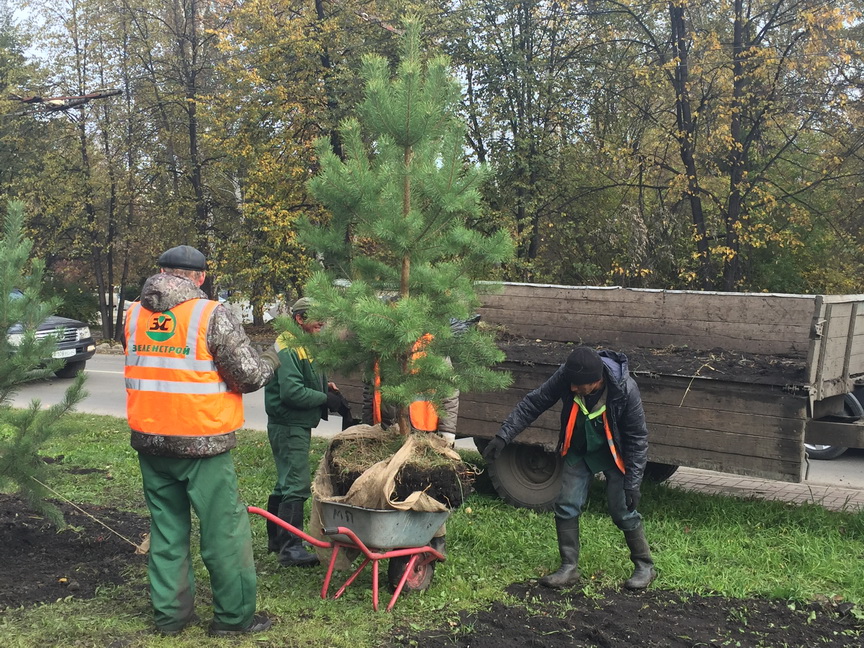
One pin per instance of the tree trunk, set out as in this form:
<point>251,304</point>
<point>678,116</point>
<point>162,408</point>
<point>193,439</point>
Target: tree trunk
<point>686,143</point>
<point>737,153</point>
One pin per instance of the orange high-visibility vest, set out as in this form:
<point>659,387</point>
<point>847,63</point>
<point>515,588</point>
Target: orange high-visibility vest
<point>571,425</point>
<point>172,384</point>
<point>421,412</point>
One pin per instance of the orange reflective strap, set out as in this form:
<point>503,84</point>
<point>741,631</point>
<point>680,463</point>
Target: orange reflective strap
<point>421,344</point>
<point>611,442</point>
<point>376,396</point>
<point>568,432</point>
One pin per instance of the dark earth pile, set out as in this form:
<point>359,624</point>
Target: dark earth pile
<point>652,619</point>
<point>717,364</point>
<point>446,481</point>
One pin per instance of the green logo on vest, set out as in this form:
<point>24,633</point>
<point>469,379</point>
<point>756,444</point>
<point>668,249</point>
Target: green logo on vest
<point>162,326</point>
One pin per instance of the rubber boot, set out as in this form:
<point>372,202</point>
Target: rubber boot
<point>644,572</point>
<point>568,547</point>
<point>439,544</point>
<point>292,553</point>
<point>272,527</point>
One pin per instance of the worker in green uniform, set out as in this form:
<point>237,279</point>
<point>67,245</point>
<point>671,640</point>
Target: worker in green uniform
<point>296,400</point>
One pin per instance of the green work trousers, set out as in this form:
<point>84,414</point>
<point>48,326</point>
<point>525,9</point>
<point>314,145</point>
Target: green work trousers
<point>209,486</point>
<point>290,445</point>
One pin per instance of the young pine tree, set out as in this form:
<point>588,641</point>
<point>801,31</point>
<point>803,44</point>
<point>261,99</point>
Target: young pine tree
<point>399,258</point>
<point>22,357</point>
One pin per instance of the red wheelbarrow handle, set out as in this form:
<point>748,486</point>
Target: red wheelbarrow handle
<point>290,527</point>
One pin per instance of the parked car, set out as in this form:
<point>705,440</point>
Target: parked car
<point>75,344</point>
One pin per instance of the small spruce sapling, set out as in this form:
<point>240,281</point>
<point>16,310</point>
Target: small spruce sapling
<point>22,358</point>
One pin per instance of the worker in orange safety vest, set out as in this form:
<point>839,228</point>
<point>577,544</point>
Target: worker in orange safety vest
<point>188,362</point>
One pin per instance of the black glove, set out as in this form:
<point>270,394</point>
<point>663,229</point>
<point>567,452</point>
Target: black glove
<point>496,445</point>
<point>631,498</point>
<point>345,412</point>
<point>335,401</point>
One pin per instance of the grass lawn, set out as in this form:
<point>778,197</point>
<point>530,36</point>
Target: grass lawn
<point>710,545</point>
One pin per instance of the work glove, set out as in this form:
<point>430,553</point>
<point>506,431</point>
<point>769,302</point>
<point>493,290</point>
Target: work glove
<point>271,357</point>
<point>335,401</point>
<point>631,498</point>
<point>493,450</point>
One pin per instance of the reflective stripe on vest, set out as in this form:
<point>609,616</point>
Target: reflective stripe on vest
<point>579,406</point>
<point>172,384</point>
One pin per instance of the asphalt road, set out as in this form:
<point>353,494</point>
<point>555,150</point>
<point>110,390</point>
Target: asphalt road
<point>107,396</point>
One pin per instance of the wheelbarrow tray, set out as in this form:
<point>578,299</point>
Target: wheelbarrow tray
<point>383,529</point>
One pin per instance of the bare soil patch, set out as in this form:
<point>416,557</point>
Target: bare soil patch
<point>41,564</point>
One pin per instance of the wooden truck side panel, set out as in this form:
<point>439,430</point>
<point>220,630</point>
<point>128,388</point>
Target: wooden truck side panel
<point>837,353</point>
<point>753,323</point>
<point>735,428</point>
<point>698,417</point>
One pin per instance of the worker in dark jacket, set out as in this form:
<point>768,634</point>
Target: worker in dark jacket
<point>188,363</point>
<point>295,400</point>
<point>602,430</point>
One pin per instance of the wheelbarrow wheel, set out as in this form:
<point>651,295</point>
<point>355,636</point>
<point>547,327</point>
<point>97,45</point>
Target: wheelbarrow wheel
<point>418,580</point>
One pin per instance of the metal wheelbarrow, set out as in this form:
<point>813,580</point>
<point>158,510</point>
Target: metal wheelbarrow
<point>401,537</point>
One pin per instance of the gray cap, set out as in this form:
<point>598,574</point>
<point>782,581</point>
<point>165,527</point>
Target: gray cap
<point>301,305</point>
<point>182,256</point>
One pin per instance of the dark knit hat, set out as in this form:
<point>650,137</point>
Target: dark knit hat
<point>583,366</point>
<point>184,257</point>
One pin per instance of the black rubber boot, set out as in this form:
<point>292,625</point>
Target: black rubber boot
<point>644,572</point>
<point>568,547</point>
<point>272,527</point>
<point>292,553</point>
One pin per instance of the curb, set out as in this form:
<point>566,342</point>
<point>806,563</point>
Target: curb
<point>833,498</point>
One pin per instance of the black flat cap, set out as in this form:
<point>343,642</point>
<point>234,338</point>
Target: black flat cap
<point>182,256</point>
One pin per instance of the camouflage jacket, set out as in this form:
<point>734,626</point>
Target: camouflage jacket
<point>239,365</point>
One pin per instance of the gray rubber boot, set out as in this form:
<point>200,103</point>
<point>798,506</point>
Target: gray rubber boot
<point>644,572</point>
<point>292,553</point>
<point>439,544</point>
<point>568,547</point>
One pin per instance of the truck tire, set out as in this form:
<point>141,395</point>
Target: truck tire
<point>659,472</point>
<point>852,407</point>
<point>526,476</point>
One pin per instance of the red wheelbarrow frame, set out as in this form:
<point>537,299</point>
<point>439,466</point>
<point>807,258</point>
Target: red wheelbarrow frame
<point>420,556</point>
